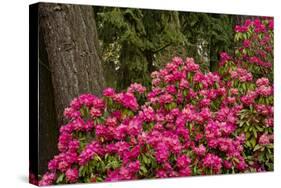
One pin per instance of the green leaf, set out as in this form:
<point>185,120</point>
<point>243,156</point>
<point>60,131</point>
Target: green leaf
<point>241,123</point>
<point>269,146</point>
<point>248,135</point>
<point>99,179</point>
<point>143,169</point>
<point>195,170</point>
<point>145,159</point>
<point>60,178</point>
<point>97,158</point>
<point>257,147</point>
<point>236,160</point>
<point>255,133</point>
<point>248,143</point>
<point>253,141</point>
<point>82,171</point>
<point>260,129</point>
<point>185,92</point>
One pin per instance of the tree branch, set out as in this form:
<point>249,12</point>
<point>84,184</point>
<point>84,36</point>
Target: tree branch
<point>161,48</point>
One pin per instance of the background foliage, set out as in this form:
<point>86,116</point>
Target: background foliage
<point>135,42</point>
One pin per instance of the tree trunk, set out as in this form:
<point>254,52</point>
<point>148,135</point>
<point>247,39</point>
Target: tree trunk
<point>69,66</point>
<point>133,66</point>
<point>71,42</point>
<point>48,131</point>
<point>240,19</point>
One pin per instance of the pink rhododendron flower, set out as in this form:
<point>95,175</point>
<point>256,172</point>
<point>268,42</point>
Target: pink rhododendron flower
<point>246,43</point>
<point>201,150</point>
<point>72,175</point>
<point>265,139</point>
<point>136,88</point>
<point>47,179</point>
<point>213,162</point>
<point>183,161</point>
<point>109,92</point>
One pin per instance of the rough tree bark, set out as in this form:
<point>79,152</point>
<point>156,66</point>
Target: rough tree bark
<point>71,42</point>
<point>48,127</point>
<point>240,19</point>
<point>71,46</point>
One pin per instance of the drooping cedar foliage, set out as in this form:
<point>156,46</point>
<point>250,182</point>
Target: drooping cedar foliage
<point>136,42</point>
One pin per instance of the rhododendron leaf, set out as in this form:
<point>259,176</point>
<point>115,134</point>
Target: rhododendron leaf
<point>241,123</point>
<point>185,92</point>
<point>251,108</point>
<point>260,129</point>
<point>251,163</point>
<point>248,143</point>
<point>248,135</point>
<point>127,113</point>
<point>99,179</point>
<point>217,85</point>
<point>60,178</point>
<point>266,101</point>
<point>269,146</point>
<point>193,102</point>
<point>268,154</point>
<point>253,141</point>
<point>100,166</point>
<point>97,158</point>
<point>236,160</point>
<point>81,171</point>
<point>85,112</point>
<point>257,147</point>
<point>195,170</point>
<point>255,133</point>
<point>106,113</point>
<point>112,163</point>
<point>143,170</point>
<point>98,121</point>
<point>244,86</point>
<point>145,159</point>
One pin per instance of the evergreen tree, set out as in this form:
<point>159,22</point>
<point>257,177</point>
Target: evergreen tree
<point>135,41</point>
<point>132,37</point>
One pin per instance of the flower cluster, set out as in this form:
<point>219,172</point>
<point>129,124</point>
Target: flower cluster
<point>256,46</point>
<point>213,162</point>
<point>47,179</point>
<point>252,71</point>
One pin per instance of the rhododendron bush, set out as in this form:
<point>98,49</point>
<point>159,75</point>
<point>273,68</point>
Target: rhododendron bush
<point>188,123</point>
